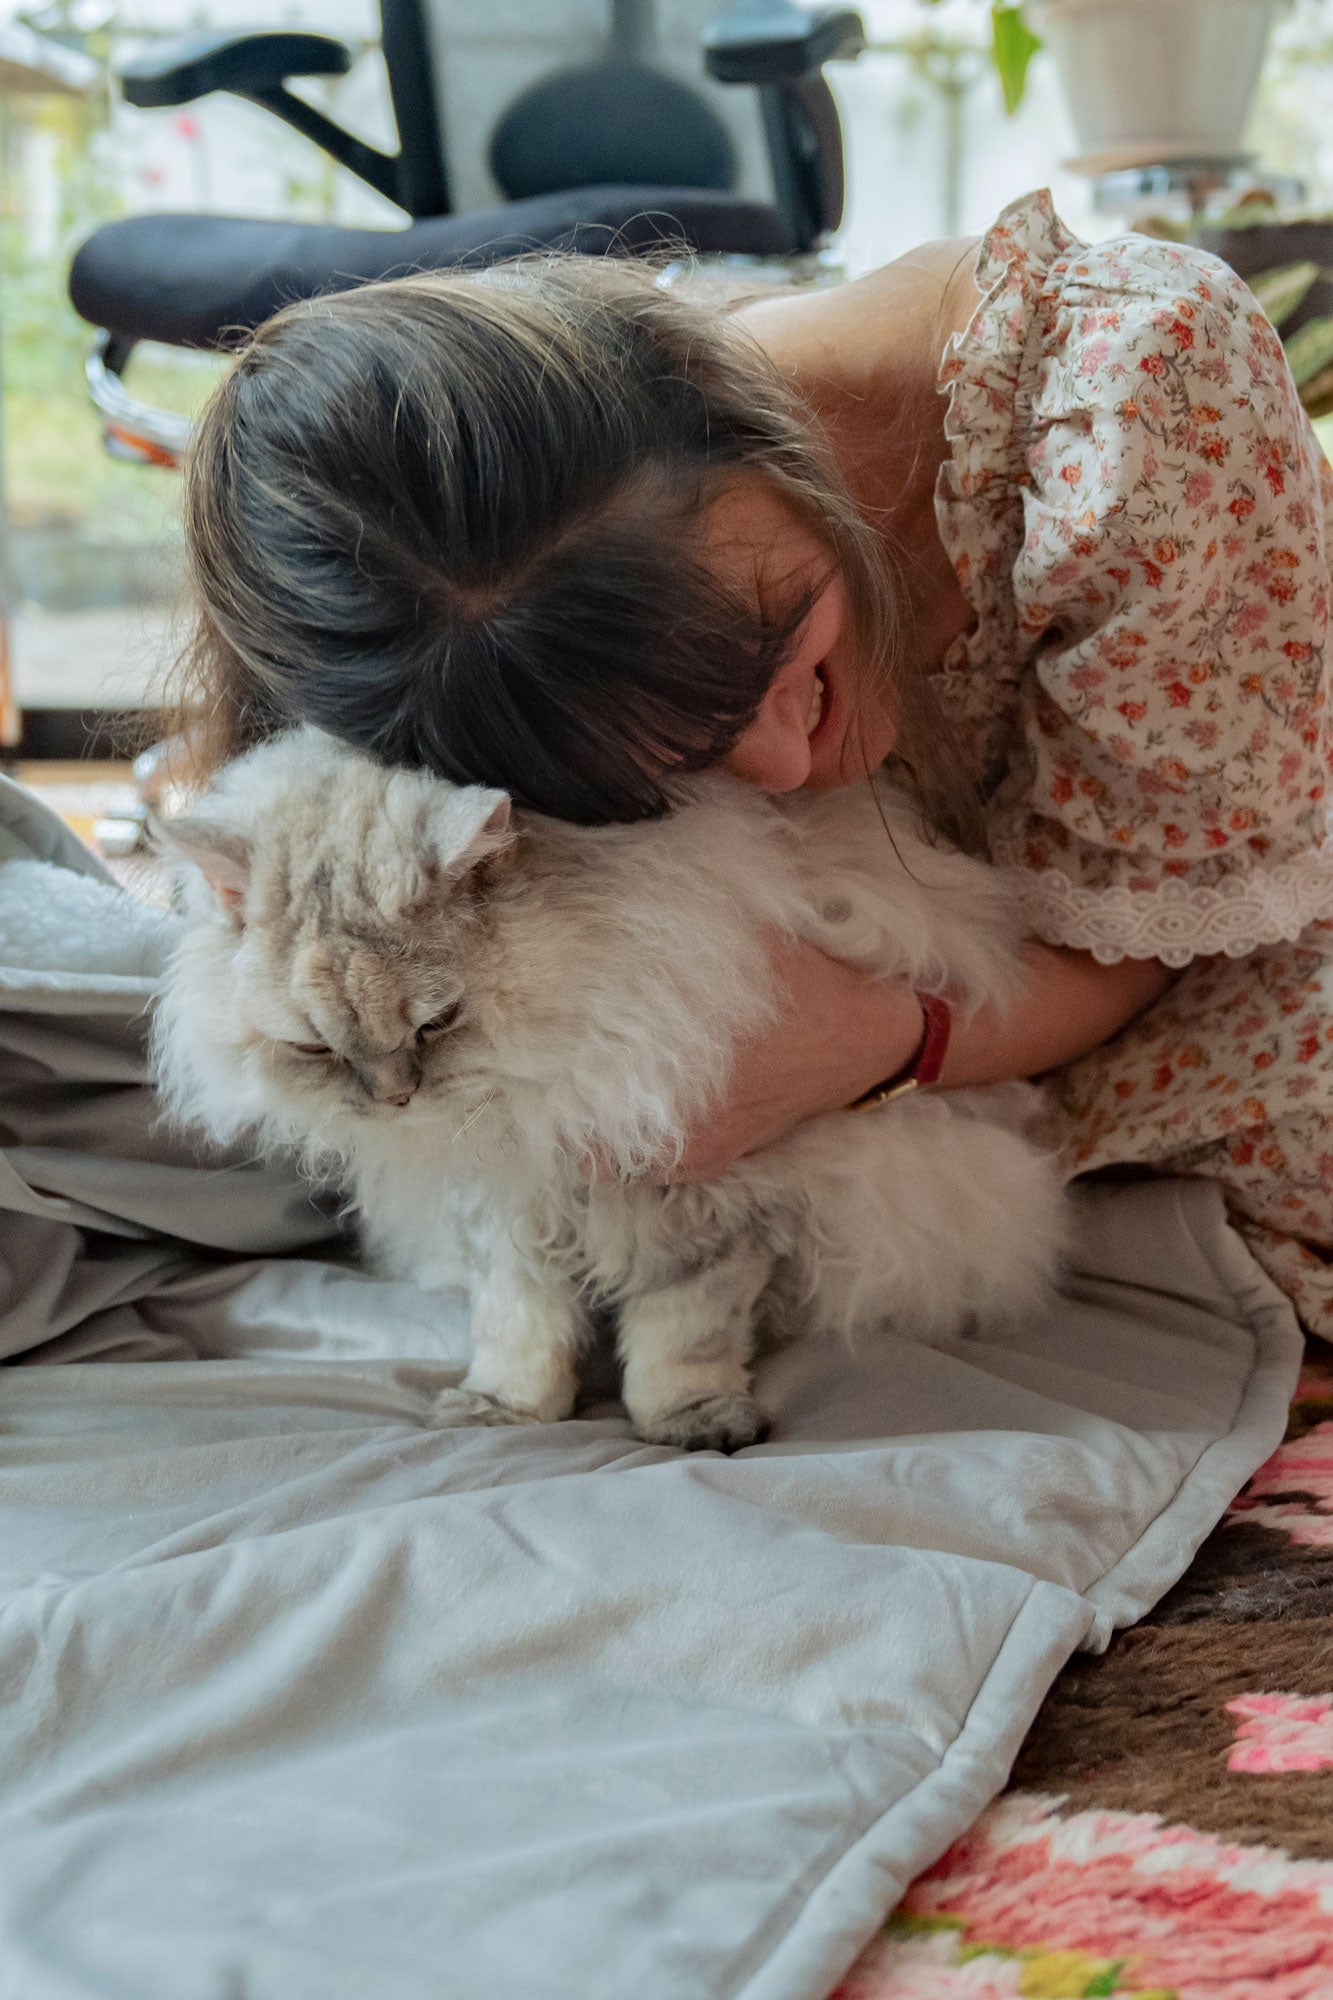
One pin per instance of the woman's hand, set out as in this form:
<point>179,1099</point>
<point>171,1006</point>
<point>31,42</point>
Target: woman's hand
<point>839,1035</point>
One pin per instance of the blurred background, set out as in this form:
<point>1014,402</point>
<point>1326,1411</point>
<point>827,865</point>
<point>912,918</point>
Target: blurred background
<point>93,561</point>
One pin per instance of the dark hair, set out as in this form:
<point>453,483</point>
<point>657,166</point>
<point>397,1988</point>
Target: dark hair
<point>452,520</point>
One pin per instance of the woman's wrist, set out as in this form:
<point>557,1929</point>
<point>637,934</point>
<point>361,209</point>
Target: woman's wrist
<point>924,1065</point>
<point>884,1040</point>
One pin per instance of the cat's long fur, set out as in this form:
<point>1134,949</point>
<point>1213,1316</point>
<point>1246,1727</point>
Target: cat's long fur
<point>603,978</point>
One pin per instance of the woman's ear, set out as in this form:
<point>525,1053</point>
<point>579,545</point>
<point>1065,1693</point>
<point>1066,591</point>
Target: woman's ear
<point>773,751</point>
<point>219,853</point>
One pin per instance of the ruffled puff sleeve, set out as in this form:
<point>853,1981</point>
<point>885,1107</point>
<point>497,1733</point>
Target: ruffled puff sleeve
<point>1136,505</point>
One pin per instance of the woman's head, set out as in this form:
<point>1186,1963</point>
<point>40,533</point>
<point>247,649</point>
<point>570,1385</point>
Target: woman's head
<point>547,527</point>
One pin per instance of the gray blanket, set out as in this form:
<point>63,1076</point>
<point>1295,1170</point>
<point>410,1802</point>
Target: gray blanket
<point>303,1698</point>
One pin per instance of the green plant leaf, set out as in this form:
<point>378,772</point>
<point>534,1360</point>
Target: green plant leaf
<point>1317,394</point>
<point>1013,46</point>
<point>1310,349</point>
<point>1281,291</point>
<point>1162,227</point>
<point>1248,213</point>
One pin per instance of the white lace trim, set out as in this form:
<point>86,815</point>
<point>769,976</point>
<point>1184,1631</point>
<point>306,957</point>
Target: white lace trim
<point>1178,920</point>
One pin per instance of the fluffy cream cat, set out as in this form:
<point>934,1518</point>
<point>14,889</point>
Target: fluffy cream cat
<point>455,1007</point>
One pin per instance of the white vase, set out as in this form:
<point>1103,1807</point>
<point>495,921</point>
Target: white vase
<point>1156,80</point>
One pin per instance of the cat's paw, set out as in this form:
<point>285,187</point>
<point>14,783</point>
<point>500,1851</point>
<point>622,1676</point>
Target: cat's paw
<point>452,1409</point>
<point>714,1423</point>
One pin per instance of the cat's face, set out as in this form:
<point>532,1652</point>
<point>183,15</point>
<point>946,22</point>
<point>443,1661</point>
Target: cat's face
<point>363,1008</point>
<point>337,933</point>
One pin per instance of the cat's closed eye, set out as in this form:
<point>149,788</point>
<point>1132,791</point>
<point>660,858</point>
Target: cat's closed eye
<point>442,1022</point>
<point>310,1048</point>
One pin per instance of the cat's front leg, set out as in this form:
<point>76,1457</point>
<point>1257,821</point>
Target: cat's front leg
<point>528,1330</point>
<point>686,1349</point>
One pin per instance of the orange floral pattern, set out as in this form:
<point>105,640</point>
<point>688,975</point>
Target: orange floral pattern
<point>1135,506</point>
<point>1230,1075</point>
<point>1139,514</point>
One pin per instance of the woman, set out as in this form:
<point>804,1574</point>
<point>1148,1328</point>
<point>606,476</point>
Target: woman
<point>553,528</point>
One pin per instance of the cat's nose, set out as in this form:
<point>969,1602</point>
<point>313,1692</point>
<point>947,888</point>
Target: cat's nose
<point>392,1084</point>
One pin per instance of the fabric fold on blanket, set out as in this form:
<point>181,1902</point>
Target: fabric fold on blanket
<point>303,1697</point>
<point>103,1203</point>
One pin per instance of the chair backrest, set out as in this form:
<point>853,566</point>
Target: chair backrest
<point>486,57</point>
<point>614,121</point>
<point>609,124</point>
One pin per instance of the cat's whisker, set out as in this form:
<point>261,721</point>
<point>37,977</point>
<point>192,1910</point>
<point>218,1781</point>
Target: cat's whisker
<point>474,1115</point>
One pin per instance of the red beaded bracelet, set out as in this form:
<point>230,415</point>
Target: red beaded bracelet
<point>925,1065</point>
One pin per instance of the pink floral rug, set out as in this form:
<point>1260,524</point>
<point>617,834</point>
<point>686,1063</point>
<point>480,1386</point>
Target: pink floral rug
<point>1168,1831</point>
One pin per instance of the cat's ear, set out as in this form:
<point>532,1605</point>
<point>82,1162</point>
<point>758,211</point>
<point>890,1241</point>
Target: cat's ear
<point>220,853</point>
<point>471,826</point>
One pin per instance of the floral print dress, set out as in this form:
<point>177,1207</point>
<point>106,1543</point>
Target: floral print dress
<point>1141,518</point>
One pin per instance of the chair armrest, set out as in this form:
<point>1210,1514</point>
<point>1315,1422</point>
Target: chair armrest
<point>190,66</point>
<point>775,41</point>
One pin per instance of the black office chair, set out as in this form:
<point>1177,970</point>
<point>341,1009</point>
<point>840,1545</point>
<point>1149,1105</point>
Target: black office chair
<point>610,156</point>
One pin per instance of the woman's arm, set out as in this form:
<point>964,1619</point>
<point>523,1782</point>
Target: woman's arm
<point>842,1033</point>
<point>1072,1004</point>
